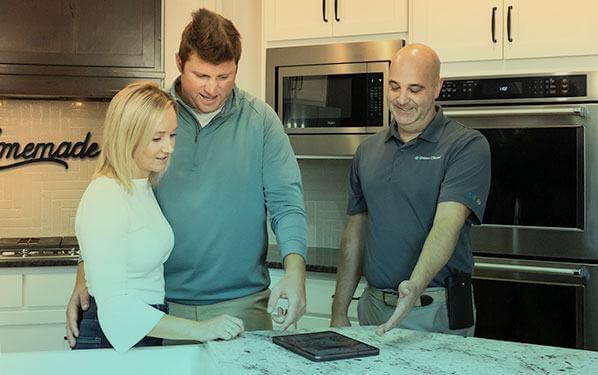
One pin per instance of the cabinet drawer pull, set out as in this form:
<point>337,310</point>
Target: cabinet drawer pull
<point>336,17</point>
<point>324,11</point>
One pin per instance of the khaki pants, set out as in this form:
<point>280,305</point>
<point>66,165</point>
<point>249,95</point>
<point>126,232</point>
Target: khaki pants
<point>372,310</point>
<point>250,309</point>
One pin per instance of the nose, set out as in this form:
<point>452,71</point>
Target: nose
<point>402,97</point>
<point>211,86</point>
<point>168,145</point>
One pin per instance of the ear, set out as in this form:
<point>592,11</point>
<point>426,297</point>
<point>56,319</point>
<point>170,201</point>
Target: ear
<point>179,63</point>
<point>438,88</point>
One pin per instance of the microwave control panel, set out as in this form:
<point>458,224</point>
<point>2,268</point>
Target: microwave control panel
<point>532,87</point>
<point>375,96</point>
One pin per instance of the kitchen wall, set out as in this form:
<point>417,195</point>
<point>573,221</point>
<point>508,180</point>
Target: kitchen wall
<point>325,191</point>
<point>40,199</point>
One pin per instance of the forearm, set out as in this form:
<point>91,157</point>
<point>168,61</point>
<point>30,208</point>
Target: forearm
<point>438,249</point>
<point>80,280</point>
<point>440,243</point>
<point>294,266</point>
<point>349,264</point>
<point>173,328</point>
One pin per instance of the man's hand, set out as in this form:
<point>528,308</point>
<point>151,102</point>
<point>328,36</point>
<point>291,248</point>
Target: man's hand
<point>291,288</point>
<point>79,302</point>
<point>408,294</point>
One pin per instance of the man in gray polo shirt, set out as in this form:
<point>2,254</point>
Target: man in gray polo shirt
<point>415,189</point>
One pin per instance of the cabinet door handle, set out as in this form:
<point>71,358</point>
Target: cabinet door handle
<point>336,17</point>
<point>494,25</point>
<point>509,23</point>
<point>324,11</point>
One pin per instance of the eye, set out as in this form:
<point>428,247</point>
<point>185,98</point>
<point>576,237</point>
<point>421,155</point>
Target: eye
<point>222,78</point>
<point>394,87</point>
<point>156,139</point>
<point>172,135</point>
<point>415,90</point>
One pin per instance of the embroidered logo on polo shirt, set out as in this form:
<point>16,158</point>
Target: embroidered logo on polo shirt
<point>432,157</point>
<point>471,195</point>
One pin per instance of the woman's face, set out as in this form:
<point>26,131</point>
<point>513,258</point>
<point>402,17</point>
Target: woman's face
<point>153,157</point>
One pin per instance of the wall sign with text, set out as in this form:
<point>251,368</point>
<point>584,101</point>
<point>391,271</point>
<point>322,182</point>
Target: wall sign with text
<point>13,154</point>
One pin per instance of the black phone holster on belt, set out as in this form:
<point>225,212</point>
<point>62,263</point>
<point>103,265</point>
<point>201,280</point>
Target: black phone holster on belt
<point>459,300</point>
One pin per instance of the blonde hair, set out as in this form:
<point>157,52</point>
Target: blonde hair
<point>132,118</point>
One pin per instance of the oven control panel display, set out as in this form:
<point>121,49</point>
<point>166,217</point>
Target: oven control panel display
<point>565,86</point>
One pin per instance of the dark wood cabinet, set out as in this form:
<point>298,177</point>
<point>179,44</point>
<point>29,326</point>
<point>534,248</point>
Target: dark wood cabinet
<point>78,48</point>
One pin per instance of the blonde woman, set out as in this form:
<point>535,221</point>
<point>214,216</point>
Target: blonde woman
<point>124,237</point>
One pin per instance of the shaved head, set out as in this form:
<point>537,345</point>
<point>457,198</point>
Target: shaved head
<point>421,56</point>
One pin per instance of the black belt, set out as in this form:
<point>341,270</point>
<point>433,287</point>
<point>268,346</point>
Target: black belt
<point>390,296</point>
<point>93,306</point>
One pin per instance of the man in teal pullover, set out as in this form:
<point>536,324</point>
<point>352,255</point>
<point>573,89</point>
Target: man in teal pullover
<point>232,165</point>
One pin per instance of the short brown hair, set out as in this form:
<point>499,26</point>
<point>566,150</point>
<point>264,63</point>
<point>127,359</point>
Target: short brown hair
<point>212,37</point>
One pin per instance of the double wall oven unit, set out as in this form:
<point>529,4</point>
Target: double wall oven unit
<point>536,253</point>
<point>330,97</point>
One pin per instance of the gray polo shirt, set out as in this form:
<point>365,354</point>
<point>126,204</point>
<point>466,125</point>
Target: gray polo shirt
<point>400,184</point>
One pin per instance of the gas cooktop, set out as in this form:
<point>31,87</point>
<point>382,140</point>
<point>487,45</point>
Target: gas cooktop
<point>39,248</point>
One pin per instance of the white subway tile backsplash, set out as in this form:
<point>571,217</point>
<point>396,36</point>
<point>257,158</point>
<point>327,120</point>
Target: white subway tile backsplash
<point>41,199</point>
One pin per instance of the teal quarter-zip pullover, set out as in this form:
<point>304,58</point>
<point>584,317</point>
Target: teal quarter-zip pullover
<point>221,182</point>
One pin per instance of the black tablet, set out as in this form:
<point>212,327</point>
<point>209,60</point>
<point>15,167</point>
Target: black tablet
<point>325,346</point>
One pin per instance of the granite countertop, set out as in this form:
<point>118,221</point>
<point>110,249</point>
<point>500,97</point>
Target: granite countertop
<point>401,352</point>
<point>405,352</point>
<point>43,262</point>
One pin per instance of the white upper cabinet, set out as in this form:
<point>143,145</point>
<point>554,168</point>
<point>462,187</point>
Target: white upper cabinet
<point>359,17</point>
<point>541,28</point>
<point>467,30</point>
<point>459,30</point>
<point>291,19</point>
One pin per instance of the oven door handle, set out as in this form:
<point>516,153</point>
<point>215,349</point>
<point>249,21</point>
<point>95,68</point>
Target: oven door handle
<point>530,273</point>
<point>574,111</point>
<point>575,272</point>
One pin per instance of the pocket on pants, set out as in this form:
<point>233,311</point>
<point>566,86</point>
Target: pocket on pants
<point>89,335</point>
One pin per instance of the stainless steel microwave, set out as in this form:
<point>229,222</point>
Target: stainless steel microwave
<point>334,98</point>
<point>330,97</point>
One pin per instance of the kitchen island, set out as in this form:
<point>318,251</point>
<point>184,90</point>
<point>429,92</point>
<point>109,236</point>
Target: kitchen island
<point>401,351</point>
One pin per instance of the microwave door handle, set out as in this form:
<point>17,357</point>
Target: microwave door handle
<point>574,111</point>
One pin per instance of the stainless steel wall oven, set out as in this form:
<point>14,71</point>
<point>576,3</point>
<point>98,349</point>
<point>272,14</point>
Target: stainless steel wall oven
<point>536,253</point>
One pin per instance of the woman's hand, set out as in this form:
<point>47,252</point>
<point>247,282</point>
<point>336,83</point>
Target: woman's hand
<point>223,327</point>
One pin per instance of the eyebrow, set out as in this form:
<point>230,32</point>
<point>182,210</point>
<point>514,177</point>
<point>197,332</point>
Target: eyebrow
<point>196,72</point>
<point>409,85</point>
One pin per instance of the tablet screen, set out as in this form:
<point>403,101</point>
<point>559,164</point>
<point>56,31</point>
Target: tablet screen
<point>325,346</point>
